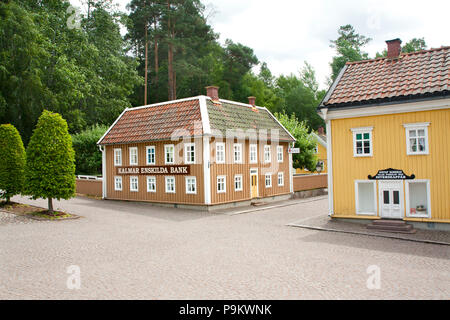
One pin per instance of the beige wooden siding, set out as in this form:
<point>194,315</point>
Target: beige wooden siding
<point>229,169</point>
<point>160,195</point>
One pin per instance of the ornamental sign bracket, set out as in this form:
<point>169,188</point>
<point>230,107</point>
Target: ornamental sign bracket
<point>391,174</point>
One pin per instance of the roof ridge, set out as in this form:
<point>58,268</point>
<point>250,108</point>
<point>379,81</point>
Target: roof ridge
<point>164,103</point>
<point>401,55</point>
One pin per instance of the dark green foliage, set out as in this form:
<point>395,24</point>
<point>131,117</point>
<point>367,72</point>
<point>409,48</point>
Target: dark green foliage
<point>413,45</point>
<point>88,158</point>
<point>306,158</point>
<point>12,162</point>
<point>50,170</point>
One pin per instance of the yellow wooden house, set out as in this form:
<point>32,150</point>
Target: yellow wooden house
<point>321,152</point>
<point>388,133</point>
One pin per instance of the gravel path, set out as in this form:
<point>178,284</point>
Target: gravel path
<point>138,251</point>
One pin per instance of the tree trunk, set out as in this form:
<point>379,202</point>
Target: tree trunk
<point>171,80</point>
<point>50,205</point>
<point>146,67</point>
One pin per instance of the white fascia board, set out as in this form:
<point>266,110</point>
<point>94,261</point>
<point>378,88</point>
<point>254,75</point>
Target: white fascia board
<point>107,131</point>
<point>205,116</point>
<point>166,103</point>
<point>319,139</point>
<point>364,111</point>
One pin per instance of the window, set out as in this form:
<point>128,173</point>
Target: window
<point>316,149</point>
<point>191,185</point>
<point>268,180</point>
<point>170,184</point>
<point>134,184</point>
<point>220,152</point>
<point>267,155</point>
<point>221,184</point>
<point>117,157</point>
<point>365,193</point>
<point>280,179</point>
<point>417,138</point>
<point>151,184</point>
<point>118,183</point>
<point>189,153</point>
<point>169,154</point>
<point>238,182</point>
<point>418,198</point>
<point>253,153</point>
<point>237,147</point>
<point>133,156</point>
<point>280,153</point>
<point>362,142</point>
<point>151,155</point>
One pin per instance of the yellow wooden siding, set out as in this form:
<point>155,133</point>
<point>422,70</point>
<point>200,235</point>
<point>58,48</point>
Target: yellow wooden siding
<point>321,156</point>
<point>389,151</point>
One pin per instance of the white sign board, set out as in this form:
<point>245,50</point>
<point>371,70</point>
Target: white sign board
<point>294,150</point>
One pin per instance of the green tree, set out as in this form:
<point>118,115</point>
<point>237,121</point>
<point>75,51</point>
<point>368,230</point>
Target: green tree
<point>88,158</point>
<point>413,45</point>
<point>307,157</point>
<point>12,162</point>
<point>348,47</point>
<point>50,169</point>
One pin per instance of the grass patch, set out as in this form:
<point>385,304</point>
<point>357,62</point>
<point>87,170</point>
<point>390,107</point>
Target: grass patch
<point>34,212</point>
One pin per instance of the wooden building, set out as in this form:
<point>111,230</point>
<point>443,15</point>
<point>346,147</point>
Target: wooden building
<point>201,151</point>
<point>320,151</point>
<point>389,139</point>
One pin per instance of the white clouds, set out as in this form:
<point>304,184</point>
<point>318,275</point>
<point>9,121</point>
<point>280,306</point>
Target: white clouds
<point>284,33</point>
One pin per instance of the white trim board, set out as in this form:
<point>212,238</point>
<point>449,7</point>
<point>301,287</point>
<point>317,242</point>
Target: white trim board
<point>366,111</point>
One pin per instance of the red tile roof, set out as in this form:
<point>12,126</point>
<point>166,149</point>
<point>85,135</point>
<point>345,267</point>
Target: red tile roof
<point>157,122</point>
<point>412,75</point>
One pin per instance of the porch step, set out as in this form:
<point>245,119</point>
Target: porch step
<point>394,226</point>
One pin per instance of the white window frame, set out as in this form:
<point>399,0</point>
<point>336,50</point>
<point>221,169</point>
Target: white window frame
<point>270,180</point>
<point>131,156</point>
<point>115,183</point>
<point>195,185</point>
<point>237,150</point>
<point>362,131</point>
<point>280,151</point>
<point>224,184</point>
<point>186,159</point>
<point>238,176</point>
<point>253,148</point>
<point>137,184</point>
<point>417,126</point>
<point>166,146</point>
<point>154,155</point>
<point>174,184</point>
<point>280,174</point>
<point>358,211</point>
<point>117,152</point>
<point>148,183</point>
<point>221,144</point>
<point>408,212</point>
<point>268,148</point>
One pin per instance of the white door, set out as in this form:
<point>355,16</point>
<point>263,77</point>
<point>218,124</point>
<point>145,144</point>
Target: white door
<point>391,199</point>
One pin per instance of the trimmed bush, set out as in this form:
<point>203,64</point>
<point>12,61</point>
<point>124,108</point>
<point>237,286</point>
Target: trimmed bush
<point>88,158</point>
<point>12,162</point>
<point>50,170</point>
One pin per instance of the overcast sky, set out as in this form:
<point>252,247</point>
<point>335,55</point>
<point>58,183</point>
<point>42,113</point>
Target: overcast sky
<point>285,33</point>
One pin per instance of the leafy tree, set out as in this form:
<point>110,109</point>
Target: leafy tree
<point>88,158</point>
<point>50,169</point>
<point>413,45</point>
<point>307,157</point>
<point>348,47</point>
<point>12,162</point>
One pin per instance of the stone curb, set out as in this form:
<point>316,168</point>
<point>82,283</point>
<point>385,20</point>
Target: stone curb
<point>274,206</point>
<point>367,234</point>
<point>28,216</point>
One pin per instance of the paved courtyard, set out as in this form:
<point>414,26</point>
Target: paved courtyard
<point>138,251</point>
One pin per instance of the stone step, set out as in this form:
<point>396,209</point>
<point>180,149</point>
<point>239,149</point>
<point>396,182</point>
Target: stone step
<point>386,222</point>
<point>405,228</point>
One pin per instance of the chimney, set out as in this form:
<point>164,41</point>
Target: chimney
<point>320,131</point>
<point>252,101</point>
<point>394,48</point>
<point>213,93</point>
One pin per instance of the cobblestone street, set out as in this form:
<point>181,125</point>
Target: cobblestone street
<point>138,251</point>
